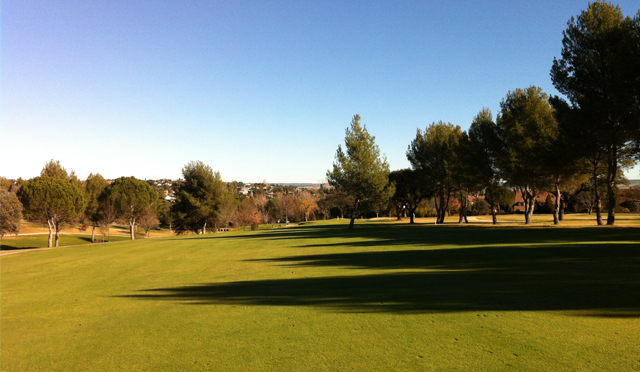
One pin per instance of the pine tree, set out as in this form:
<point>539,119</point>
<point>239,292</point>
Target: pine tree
<point>359,171</point>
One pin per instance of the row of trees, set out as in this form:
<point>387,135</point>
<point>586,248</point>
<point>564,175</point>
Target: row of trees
<point>202,201</point>
<point>59,198</point>
<point>537,143</point>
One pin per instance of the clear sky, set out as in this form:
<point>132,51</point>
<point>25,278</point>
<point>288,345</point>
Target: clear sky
<point>258,90</point>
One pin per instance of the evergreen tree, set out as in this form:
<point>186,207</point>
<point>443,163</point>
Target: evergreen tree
<point>433,154</point>
<point>359,171</point>
<point>527,129</point>
<point>599,72</point>
<point>10,213</point>
<point>54,200</point>
<point>128,196</point>
<point>482,154</point>
<point>409,191</point>
<point>199,198</point>
<point>93,187</point>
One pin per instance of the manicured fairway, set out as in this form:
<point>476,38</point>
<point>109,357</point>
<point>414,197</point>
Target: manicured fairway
<point>382,297</point>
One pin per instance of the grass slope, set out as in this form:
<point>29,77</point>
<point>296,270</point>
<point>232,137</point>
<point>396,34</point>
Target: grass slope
<point>319,297</point>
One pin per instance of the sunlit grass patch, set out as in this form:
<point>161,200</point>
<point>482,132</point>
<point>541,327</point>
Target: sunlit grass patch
<point>384,296</point>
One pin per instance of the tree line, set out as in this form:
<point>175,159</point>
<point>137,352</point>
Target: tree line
<point>567,145</point>
<point>203,203</point>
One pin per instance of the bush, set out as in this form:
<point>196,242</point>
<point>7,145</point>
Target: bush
<point>481,207</point>
<point>632,206</point>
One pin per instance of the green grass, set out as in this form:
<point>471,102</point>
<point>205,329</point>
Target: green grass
<point>42,240</point>
<point>319,297</point>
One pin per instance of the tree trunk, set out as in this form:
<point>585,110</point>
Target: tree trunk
<point>57,233</point>
<point>447,206</point>
<point>442,210</point>
<point>399,212</point>
<point>204,228</point>
<point>132,225</point>
<point>528,213</point>
<point>529,204</point>
<point>494,218</point>
<point>50,223</point>
<point>596,196</point>
<point>460,212</point>
<point>353,215</point>
<point>464,200</point>
<point>612,172</point>
<point>412,215</point>
<point>93,234</point>
<point>556,210</point>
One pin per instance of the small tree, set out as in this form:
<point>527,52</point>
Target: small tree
<point>106,216</point>
<point>527,129</point>
<point>148,220</point>
<point>409,191</point>
<point>198,198</point>
<point>93,187</point>
<point>307,203</point>
<point>481,156</point>
<point>129,197</point>
<point>433,154</point>
<point>481,207</point>
<point>54,200</point>
<point>288,207</point>
<point>359,171</point>
<point>10,213</point>
<point>248,214</point>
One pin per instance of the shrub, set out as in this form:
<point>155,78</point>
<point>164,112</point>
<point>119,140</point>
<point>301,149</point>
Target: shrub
<point>481,207</point>
<point>631,205</point>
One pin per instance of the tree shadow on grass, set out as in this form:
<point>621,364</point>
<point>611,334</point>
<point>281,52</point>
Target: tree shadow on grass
<point>372,235</point>
<point>9,247</point>
<point>591,279</point>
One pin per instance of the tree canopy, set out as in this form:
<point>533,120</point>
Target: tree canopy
<point>409,191</point>
<point>527,129</point>
<point>199,198</point>
<point>433,154</point>
<point>129,197</point>
<point>93,187</point>
<point>54,200</point>
<point>10,213</point>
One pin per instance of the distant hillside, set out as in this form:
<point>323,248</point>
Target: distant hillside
<point>297,184</point>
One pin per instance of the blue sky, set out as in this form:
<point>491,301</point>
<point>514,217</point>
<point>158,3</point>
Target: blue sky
<point>258,90</point>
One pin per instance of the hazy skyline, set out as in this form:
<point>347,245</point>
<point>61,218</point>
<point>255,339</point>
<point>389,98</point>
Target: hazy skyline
<point>258,90</point>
